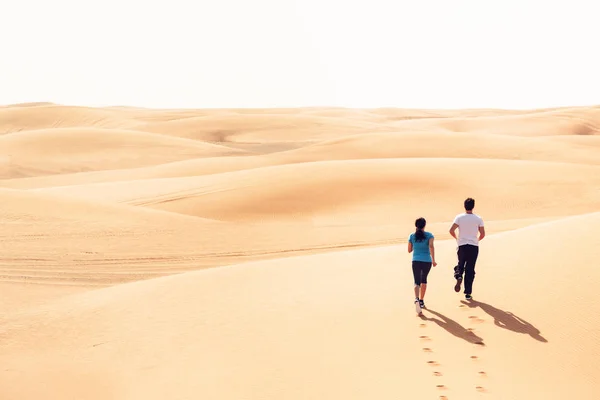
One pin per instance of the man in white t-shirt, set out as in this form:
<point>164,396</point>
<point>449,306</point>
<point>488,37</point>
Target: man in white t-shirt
<point>470,232</point>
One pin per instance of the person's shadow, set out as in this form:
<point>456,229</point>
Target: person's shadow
<point>507,320</point>
<point>453,327</point>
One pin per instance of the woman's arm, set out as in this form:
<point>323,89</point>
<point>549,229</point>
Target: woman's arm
<point>432,251</point>
<point>410,247</point>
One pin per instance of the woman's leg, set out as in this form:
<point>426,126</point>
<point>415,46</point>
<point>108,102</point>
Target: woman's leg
<point>417,277</point>
<point>423,289</point>
<point>426,267</point>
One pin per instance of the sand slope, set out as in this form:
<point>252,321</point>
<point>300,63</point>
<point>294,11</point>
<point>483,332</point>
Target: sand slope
<point>580,121</point>
<point>364,190</point>
<point>388,139</point>
<point>261,254</point>
<point>64,150</point>
<point>299,328</point>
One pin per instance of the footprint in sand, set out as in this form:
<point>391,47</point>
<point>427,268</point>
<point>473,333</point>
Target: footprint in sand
<point>480,389</point>
<point>476,319</point>
<point>433,363</point>
<point>427,350</point>
<point>436,373</point>
<point>474,358</point>
<point>443,398</point>
<point>425,338</point>
<point>422,325</point>
<point>482,374</point>
<point>441,387</point>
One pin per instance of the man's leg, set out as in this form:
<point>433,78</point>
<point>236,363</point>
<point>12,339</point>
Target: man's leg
<point>460,267</point>
<point>471,260</point>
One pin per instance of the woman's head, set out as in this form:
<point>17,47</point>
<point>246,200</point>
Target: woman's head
<point>419,233</point>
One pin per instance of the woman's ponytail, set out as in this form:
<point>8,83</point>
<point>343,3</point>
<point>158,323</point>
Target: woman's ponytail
<point>419,233</point>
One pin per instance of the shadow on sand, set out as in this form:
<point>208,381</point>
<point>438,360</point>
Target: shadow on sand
<point>452,327</point>
<point>507,320</point>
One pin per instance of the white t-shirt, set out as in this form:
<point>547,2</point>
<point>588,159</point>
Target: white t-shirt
<point>468,228</point>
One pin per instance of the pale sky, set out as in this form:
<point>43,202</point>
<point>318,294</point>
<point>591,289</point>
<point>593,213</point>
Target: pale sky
<point>280,53</point>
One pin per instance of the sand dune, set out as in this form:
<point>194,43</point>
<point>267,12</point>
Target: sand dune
<point>261,253</point>
<point>64,150</point>
<point>445,145</point>
<point>570,149</point>
<point>71,242</point>
<point>272,327</point>
<point>189,167</point>
<point>19,118</point>
<point>364,190</point>
<point>62,240</point>
<point>264,127</point>
<point>576,121</point>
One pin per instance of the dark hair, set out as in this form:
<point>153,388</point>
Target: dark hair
<point>419,233</point>
<point>469,204</point>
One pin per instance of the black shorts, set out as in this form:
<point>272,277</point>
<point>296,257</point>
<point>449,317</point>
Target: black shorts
<point>420,271</point>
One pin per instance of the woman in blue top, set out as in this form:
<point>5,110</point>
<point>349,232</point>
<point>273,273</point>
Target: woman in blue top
<point>420,243</point>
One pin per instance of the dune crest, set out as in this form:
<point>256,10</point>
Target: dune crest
<point>261,253</point>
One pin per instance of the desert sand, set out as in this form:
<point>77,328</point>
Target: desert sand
<point>261,253</point>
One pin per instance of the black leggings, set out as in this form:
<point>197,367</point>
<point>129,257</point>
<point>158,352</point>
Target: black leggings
<point>420,271</point>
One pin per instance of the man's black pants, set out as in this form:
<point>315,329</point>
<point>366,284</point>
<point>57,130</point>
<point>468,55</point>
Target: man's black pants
<point>467,258</point>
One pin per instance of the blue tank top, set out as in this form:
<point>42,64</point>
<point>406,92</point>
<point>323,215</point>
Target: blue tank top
<point>421,249</point>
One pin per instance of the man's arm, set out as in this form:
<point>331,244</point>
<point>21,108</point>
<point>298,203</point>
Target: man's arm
<point>481,232</point>
<point>453,229</point>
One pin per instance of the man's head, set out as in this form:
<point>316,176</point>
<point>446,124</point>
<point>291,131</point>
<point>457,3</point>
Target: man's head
<point>469,204</point>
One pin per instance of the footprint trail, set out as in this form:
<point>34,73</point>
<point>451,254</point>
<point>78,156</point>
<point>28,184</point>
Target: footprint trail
<point>469,334</point>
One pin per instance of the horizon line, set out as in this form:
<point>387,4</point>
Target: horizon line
<point>323,106</point>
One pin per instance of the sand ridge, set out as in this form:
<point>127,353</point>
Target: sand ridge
<point>248,253</point>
